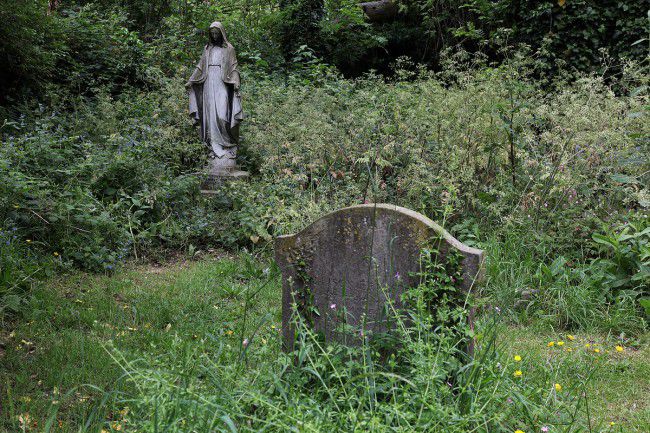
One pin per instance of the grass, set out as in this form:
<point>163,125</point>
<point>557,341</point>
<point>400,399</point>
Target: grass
<point>64,340</point>
<point>619,389</point>
<point>82,333</point>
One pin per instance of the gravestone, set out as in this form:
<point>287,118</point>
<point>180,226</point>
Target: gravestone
<point>346,265</point>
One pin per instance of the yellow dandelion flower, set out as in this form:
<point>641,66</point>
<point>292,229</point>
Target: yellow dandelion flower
<point>229,332</point>
<point>619,348</point>
<point>597,350</point>
<point>570,337</point>
<point>519,431</point>
<point>612,423</point>
<point>587,345</point>
<point>29,241</point>
<point>560,343</point>
<point>517,373</point>
<point>517,358</point>
<point>56,254</point>
<point>558,387</point>
<point>551,343</point>
<point>568,349</point>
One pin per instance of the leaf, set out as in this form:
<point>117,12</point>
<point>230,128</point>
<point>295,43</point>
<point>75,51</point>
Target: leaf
<point>228,421</point>
<point>603,240</point>
<point>623,178</point>
<point>557,265</point>
<point>645,303</point>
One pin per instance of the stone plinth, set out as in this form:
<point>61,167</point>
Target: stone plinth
<point>356,259</point>
<point>217,178</point>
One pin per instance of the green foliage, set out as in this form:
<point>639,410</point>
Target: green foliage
<point>19,269</point>
<point>77,186</point>
<point>99,51</point>
<point>118,177</point>
<point>623,271</point>
<point>575,35</point>
<point>28,53</point>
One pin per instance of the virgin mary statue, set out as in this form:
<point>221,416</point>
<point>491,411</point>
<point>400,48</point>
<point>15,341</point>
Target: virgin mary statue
<point>215,102</point>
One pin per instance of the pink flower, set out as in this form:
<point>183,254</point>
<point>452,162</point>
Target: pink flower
<point>245,342</point>
<point>545,429</point>
<point>333,306</point>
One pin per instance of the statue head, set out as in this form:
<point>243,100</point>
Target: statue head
<point>217,34</point>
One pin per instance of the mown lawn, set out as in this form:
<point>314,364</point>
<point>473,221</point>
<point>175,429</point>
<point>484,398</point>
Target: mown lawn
<point>61,355</point>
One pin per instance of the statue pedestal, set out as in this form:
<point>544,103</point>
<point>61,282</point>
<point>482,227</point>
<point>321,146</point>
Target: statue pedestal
<point>218,177</point>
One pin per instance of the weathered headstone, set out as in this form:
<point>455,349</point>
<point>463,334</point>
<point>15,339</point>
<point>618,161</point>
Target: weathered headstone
<point>347,264</point>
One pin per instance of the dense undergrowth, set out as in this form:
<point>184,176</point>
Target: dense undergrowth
<point>100,167</point>
<point>554,179</point>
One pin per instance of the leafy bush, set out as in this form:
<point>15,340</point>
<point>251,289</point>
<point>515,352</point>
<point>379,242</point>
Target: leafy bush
<point>574,35</point>
<point>623,270</point>
<point>486,149</point>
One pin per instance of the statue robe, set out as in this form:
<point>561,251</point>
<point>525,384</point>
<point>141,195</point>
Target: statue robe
<point>215,101</point>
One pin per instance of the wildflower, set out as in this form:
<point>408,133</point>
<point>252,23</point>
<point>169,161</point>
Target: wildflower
<point>558,387</point>
<point>333,306</point>
<point>619,348</point>
<point>509,400</point>
<point>587,345</point>
<point>570,337</point>
<point>551,343</point>
<point>545,429</point>
<point>56,254</point>
<point>229,332</point>
<point>245,342</point>
<point>29,241</point>
<point>517,358</point>
<point>560,343</point>
<point>612,423</point>
<point>568,349</point>
<point>517,373</point>
<point>398,276</point>
<point>597,350</point>
<point>519,431</point>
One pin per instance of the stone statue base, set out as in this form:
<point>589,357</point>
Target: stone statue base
<point>219,175</point>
